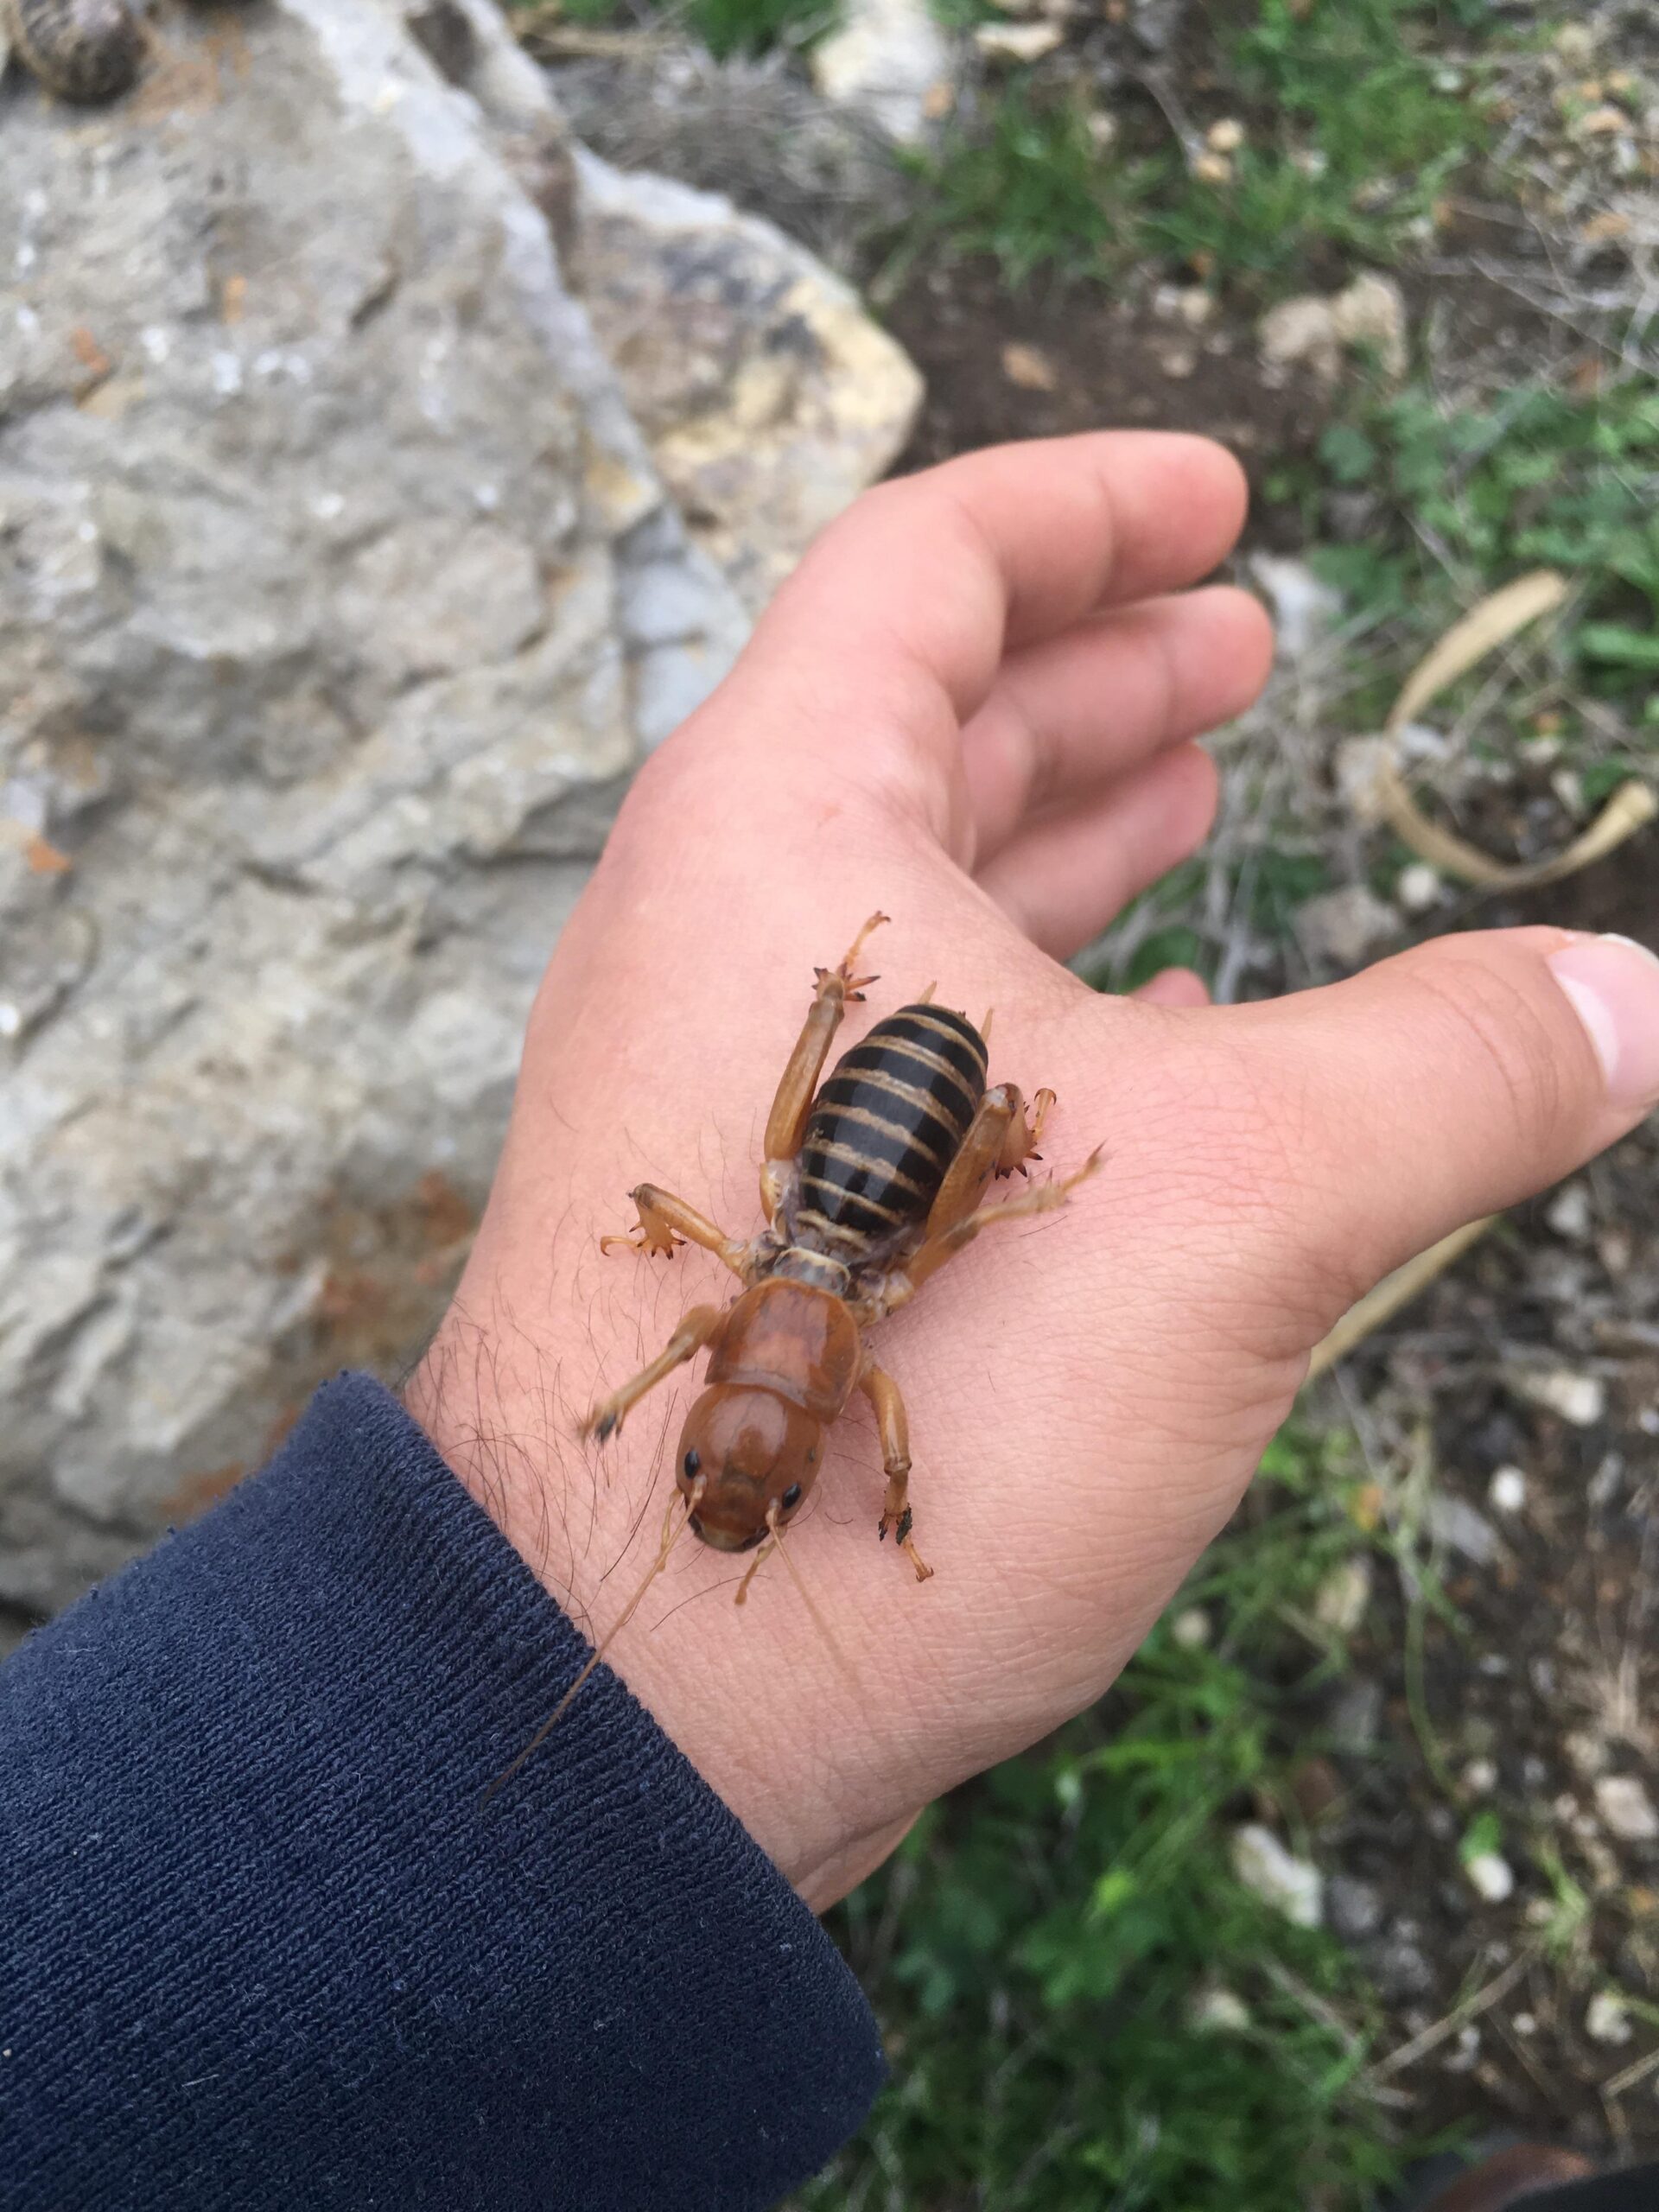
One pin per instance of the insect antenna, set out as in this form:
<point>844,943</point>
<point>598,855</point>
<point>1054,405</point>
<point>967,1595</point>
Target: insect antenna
<point>673,1529</point>
<point>818,1622</point>
<point>752,1569</point>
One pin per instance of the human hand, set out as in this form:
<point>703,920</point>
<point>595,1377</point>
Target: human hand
<point>971,708</point>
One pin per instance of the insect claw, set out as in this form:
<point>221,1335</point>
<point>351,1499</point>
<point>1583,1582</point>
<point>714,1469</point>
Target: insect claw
<point>604,1426</point>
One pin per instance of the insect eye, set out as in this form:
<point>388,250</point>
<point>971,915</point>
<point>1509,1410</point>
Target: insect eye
<point>693,1461</point>
<point>790,1498</point>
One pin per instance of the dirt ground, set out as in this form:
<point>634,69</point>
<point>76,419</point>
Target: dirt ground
<point>1541,1684</point>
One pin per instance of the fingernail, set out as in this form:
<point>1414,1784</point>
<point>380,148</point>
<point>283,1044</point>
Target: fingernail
<point>1613,983</point>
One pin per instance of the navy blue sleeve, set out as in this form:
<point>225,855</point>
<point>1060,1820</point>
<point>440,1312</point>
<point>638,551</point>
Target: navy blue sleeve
<point>266,1944</point>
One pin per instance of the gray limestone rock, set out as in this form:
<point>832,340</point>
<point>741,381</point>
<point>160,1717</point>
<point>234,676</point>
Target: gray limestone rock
<point>768,396</point>
<point>338,594</point>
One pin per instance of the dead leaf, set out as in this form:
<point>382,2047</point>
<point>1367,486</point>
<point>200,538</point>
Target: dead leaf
<point>1492,623</point>
<point>1395,1291</point>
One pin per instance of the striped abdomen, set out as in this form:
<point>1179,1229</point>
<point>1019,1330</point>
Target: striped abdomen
<point>883,1130</point>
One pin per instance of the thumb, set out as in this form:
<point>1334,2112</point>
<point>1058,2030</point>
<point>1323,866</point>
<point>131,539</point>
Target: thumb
<point>1451,1081</point>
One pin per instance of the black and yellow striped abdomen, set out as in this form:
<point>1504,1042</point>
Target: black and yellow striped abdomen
<point>884,1130</point>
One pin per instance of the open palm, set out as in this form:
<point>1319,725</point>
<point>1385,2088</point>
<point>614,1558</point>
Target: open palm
<point>972,708</point>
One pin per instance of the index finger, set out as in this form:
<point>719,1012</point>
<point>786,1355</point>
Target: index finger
<point>927,581</point>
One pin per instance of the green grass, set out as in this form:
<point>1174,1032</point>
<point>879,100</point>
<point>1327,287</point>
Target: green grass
<point>1471,498</point>
<point>1040,1951</point>
<point>1354,131</point>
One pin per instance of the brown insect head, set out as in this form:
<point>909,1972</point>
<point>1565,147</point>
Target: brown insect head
<point>752,1452</point>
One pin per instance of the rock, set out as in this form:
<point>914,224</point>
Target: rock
<point>1301,333</point>
<point>754,131</point>
<point>1419,889</point>
<point>1305,611</point>
<point>1607,2019</point>
<point>1226,136</point>
<point>1371,313</point>
<point>1340,1601</point>
<point>1191,1628</point>
<point>1480,1777</point>
<point>338,594</point>
<point>768,397</point>
<point>1358,767</point>
<point>1356,1716</point>
<point>1507,1492</point>
<point>1343,929</point>
<point>891,59</point>
<point>1587,1753</point>
<point>1490,1876</point>
<point>1626,1809</point>
<point>1400,1969</point>
<point>1216,2010</point>
<point>1028,367</point>
<point>1580,1400</point>
<point>1353,1908</point>
<point>1315,332</point>
<point>1290,1885</point>
<point>1453,1522</point>
<point>1570,1214</point>
<point>1018,41</point>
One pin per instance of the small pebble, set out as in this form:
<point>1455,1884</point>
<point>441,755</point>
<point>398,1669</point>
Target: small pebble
<point>1455,1523</point>
<point>1587,1753</point>
<point>1524,2025</point>
<point>1212,168</point>
<point>1507,1492</point>
<point>1419,888</point>
<point>1608,2018</point>
<point>1570,1212</point>
<point>1028,367</point>
<point>1581,1399</point>
<point>1018,41</point>
<point>1626,1809</point>
<point>1191,1628</point>
<point>1340,1601</point>
<point>1219,2011</point>
<point>1226,136</point>
<point>1355,1908</point>
<point>1491,1876</point>
<point>1275,1875</point>
<point>1480,1777</point>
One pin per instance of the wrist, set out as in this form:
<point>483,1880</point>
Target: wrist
<point>589,1540</point>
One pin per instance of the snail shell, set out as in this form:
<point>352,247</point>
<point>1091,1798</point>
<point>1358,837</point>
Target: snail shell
<point>82,50</point>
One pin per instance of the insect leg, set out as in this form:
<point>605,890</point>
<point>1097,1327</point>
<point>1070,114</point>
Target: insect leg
<point>664,1218</point>
<point>786,1123</point>
<point>700,1327</point>
<point>1041,1198</point>
<point>893,1430</point>
<point>1002,1136</point>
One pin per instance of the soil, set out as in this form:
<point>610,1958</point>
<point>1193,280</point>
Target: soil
<point>1054,358</point>
<point>1543,1678</point>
